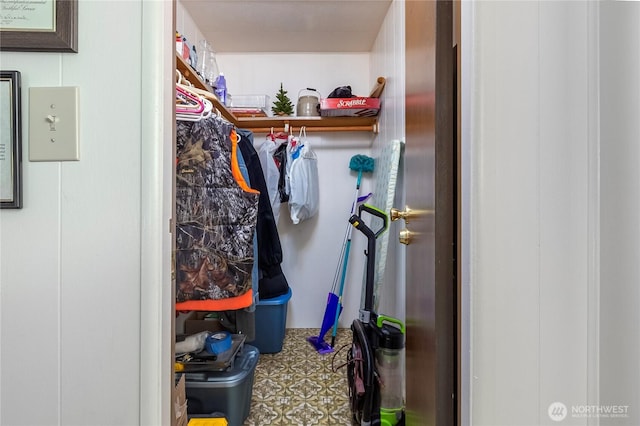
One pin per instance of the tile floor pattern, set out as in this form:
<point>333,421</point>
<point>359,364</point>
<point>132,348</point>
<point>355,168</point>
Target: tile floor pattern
<point>297,385</point>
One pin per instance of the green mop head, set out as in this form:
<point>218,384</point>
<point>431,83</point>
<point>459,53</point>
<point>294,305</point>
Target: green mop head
<point>361,163</point>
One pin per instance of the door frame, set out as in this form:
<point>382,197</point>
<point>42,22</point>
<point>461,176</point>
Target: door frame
<point>156,377</point>
<point>156,393</point>
<point>446,218</point>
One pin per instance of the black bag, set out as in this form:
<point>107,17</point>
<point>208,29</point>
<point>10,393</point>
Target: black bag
<point>341,92</point>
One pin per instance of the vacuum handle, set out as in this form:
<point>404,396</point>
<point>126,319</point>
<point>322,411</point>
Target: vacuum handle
<point>359,224</point>
<point>374,212</point>
<point>383,318</point>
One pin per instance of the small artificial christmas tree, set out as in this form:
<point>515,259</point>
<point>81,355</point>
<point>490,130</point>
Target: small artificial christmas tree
<point>282,105</point>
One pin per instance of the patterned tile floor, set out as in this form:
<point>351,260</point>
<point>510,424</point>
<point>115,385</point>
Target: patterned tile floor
<point>297,385</point>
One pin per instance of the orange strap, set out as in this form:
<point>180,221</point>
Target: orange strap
<point>235,168</point>
<point>230,304</point>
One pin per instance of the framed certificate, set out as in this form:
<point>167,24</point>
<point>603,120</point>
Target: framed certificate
<point>39,26</point>
<point>10,141</point>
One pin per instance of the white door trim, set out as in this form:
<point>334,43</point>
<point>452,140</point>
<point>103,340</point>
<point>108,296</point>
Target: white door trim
<point>157,135</point>
<point>467,23</point>
<point>593,205</point>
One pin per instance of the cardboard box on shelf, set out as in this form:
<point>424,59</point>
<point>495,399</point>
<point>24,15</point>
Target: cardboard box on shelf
<point>349,107</point>
<point>180,403</point>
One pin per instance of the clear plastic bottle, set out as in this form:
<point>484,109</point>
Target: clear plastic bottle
<point>389,357</point>
<point>221,88</point>
<point>390,363</point>
<point>207,64</point>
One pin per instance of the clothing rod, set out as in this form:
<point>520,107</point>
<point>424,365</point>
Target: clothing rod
<point>310,129</point>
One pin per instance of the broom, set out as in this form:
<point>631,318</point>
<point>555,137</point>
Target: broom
<point>360,164</point>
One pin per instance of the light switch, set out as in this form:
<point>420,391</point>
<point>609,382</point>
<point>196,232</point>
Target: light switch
<point>53,124</point>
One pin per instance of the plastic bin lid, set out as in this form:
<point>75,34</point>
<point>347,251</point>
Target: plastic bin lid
<point>280,300</point>
<point>243,367</point>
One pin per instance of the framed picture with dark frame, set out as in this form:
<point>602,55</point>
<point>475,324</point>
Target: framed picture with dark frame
<point>10,141</point>
<point>39,26</point>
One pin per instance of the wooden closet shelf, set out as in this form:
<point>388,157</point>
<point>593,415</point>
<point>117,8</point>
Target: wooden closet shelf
<point>188,73</point>
<point>265,124</point>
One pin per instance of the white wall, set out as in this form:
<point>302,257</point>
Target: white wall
<point>530,199</point>
<point>388,59</point>
<point>311,249</point>
<point>73,263</point>
<point>620,222</point>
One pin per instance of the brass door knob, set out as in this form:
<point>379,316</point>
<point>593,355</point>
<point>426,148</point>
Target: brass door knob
<point>407,214</point>
<point>400,214</point>
<point>406,237</point>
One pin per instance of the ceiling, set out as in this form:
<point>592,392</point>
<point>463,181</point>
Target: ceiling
<point>289,25</point>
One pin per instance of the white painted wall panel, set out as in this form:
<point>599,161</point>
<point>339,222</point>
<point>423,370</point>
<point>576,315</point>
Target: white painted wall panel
<point>100,221</point>
<point>563,187</point>
<point>29,301</point>
<point>29,281</point>
<point>387,60</point>
<point>529,202</point>
<point>187,27</point>
<point>262,73</point>
<point>620,225</point>
<point>505,197</point>
<point>70,259</point>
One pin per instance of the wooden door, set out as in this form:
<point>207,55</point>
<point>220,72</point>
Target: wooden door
<point>430,158</point>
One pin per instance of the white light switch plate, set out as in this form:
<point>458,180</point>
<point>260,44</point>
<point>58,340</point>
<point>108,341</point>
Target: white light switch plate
<point>53,124</point>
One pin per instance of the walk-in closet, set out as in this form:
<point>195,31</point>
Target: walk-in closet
<point>306,50</point>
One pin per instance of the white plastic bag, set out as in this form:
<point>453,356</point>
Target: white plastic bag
<point>303,178</point>
<point>271,172</point>
<point>192,343</point>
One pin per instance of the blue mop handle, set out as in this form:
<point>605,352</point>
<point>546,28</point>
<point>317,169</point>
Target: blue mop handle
<point>342,280</point>
<point>354,206</point>
<point>347,249</point>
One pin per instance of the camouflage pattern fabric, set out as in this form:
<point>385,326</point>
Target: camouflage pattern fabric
<point>215,216</point>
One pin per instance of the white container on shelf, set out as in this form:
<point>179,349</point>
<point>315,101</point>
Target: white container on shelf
<point>250,101</point>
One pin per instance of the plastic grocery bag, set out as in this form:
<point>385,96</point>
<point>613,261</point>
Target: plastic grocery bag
<point>303,179</point>
<point>271,172</point>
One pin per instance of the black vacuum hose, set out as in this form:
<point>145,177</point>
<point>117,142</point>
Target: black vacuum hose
<point>368,370</point>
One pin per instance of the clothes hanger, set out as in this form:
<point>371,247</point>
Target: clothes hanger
<point>204,96</point>
<point>189,102</point>
<point>208,110</point>
<point>190,105</point>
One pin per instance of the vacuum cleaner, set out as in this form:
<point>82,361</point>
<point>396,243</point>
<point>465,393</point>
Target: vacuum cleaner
<point>375,362</point>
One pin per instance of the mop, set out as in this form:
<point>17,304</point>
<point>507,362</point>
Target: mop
<point>361,164</point>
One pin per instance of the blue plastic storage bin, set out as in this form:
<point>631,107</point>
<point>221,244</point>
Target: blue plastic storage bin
<point>227,392</point>
<point>271,321</point>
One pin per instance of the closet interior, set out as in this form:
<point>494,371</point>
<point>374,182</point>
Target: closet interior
<point>236,315</point>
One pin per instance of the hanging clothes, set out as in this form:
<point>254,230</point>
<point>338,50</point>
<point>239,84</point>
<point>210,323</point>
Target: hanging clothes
<point>280,156</point>
<point>216,213</point>
<point>302,176</point>
<point>255,273</point>
<point>272,282</point>
<point>271,171</point>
